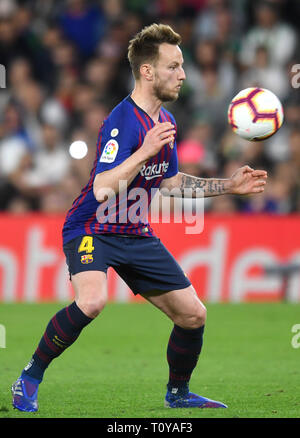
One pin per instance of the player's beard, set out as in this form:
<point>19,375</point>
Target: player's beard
<point>162,93</point>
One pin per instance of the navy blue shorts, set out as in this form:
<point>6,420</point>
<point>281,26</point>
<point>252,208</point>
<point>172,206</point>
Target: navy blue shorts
<point>142,262</point>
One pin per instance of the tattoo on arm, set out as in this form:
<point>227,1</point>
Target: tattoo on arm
<point>202,186</point>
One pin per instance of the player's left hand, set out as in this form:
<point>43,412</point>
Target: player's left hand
<point>246,181</point>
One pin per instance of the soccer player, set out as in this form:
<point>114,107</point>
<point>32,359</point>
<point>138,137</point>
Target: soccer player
<point>136,146</point>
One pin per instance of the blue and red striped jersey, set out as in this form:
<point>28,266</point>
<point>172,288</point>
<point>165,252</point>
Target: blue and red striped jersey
<point>120,135</point>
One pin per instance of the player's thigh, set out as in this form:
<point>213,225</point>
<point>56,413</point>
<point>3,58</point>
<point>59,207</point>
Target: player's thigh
<point>90,288</point>
<point>87,258</point>
<point>182,306</point>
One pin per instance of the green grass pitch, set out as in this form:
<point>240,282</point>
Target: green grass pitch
<point>118,369</point>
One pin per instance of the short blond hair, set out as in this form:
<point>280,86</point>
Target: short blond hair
<point>144,46</point>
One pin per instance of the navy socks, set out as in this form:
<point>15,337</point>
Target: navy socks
<point>183,352</point>
<point>63,329</point>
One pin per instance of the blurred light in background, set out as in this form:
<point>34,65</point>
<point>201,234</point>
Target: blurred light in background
<point>78,149</point>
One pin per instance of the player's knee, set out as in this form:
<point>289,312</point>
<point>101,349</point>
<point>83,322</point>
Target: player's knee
<point>196,319</point>
<point>91,305</point>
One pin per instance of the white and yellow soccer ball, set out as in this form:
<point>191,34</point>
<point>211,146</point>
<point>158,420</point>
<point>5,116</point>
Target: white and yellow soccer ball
<point>255,114</point>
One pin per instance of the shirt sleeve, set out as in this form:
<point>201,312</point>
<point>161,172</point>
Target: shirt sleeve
<point>119,140</point>
<point>173,164</point>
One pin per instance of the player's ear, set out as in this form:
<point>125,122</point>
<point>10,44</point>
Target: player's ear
<point>146,70</point>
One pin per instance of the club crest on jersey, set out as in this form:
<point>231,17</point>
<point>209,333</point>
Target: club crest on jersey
<point>86,258</point>
<point>114,132</point>
<point>110,151</point>
<point>171,144</point>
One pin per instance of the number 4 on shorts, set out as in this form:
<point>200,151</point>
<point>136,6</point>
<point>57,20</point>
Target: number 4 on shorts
<point>86,244</point>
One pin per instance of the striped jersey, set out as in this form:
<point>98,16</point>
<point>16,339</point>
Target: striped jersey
<point>126,212</point>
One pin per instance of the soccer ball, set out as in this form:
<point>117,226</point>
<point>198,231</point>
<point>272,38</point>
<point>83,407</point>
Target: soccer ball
<point>255,114</point>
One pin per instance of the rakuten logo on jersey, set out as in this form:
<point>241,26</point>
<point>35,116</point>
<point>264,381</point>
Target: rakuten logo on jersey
<point>155,170</point>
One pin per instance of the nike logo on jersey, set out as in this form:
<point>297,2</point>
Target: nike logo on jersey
<point>155,170</point>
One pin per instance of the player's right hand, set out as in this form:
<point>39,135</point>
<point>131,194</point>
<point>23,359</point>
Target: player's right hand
<point>157,137</point>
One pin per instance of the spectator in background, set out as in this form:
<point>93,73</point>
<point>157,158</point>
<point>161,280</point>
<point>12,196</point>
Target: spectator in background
<point>263,74</point>
<point>80,168</point>
<point>83,98</point>
<point>236,150</point>
<point>84,25</point>
<point>294,144</point>
<point>53,113</point>
<point>195,6</point>
<point>18,205</point>
<point>226,35</point>
<point>113,10</point>
<point>68,188</point>
<point>226,205</point>
<point>294,168</point>
<point>17,39</point>
<point>99,73</point>
<point>19,71</point>
<point>14,141</point>
<point>51,162</point>
<point>52,36</point>
<point>275,200</point>
<point>64,57</point>
<point>201,132</point>
<point>64,62</point>
<point>92,122</point>
<point>88,132</point>
<point>15,158</point>
<point>29,95</point>
<point>292,101</point>
<point>269,31</point>
<point>64,91</point>
<point>112,48</point>
<point>209,18</point>
<point>190,156</point>
<point>37,175</point>
<point>184,26</point>
<point>212,83</point>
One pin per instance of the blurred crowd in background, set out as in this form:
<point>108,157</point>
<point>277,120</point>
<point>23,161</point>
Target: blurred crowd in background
<point>66,68</point>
